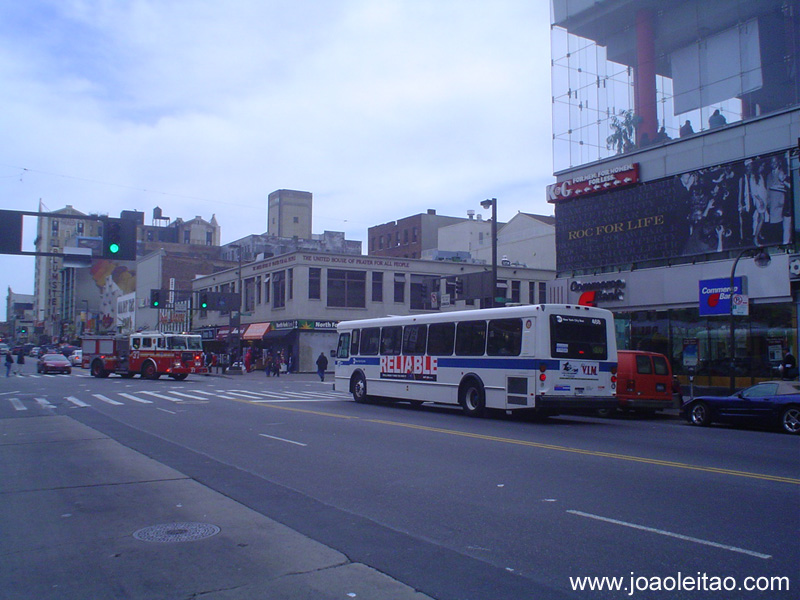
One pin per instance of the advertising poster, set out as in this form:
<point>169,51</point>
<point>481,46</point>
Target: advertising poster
<point>744,204</point>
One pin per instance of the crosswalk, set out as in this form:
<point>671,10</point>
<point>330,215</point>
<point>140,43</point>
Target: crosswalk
<point>117,399</point>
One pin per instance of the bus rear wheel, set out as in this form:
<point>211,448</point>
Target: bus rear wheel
<point>359,387</point>
<point>473,399</point>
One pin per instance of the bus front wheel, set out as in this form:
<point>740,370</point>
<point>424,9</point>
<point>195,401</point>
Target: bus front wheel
<point>473,399</point>
<point>359,387</point>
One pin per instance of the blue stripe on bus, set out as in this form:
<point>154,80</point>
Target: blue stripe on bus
<point>482,362</point>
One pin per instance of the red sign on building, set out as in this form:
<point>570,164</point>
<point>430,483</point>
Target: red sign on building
<point>594,183</point>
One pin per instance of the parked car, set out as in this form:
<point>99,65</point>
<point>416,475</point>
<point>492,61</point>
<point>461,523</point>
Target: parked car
<point>644,382</point>
<point>34,351</point>
<point>775,403</point>
<point>3,349</point>
<point>53,363</point>
<point>76,358</point>
<point>67,350</point>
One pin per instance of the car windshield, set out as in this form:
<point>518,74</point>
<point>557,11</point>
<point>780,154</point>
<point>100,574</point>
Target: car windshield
<point>54,357</point>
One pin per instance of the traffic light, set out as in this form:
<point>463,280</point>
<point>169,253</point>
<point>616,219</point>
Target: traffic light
<point>119,239</point>
<point>204,301</point>
<point>155,299</point>
<point>459,287</point>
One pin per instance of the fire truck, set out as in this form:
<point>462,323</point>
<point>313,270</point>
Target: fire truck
<point>150,354</point>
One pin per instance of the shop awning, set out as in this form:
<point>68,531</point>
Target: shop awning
<point>256,331</point>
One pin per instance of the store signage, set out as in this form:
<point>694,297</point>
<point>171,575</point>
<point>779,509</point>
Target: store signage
<point>592,292</point>
<point>715,295</point>
<point>601,181</point>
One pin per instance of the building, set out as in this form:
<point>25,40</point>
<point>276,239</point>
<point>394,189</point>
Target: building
<point>292,302</point>
<point>408,237</point>
<point>675,128</point>
<point>19,318</point>
<point>526,239</point>
<point>289,214</point>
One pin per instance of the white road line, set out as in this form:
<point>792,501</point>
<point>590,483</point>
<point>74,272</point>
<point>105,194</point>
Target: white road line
<point>672,535</point>
<point>134,398</point>
<point>188,395</point>
<point>279,400</point>
<point>204,393</point>
<point>44,403</point>
<point>162,396</point>
<point>76,402</point>
<point>265,394</point>
<point>272,437</point>
<point>17,404</point>
<point>244,394</point>
<point>106,399</point>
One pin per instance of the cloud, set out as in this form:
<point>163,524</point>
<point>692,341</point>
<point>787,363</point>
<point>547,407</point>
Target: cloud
<point>381,108</point>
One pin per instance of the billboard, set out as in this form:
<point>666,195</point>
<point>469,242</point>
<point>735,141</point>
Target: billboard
<point>733,206</point>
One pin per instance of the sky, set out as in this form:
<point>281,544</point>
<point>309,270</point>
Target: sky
<point>380,108</point>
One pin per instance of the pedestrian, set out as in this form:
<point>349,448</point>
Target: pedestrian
<point>268,363</point>
<point>322,365</point>
<point>716,120</point>
<point>20,361</point>
<point>789,365</point>
<point>276,364</point>
<point>248,359</point>
<point>686,129</point>
<point>9,363</point>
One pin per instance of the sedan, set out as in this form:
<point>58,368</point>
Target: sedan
<point>772,402</point>
<point>76,357</point>
<point>53,363</point>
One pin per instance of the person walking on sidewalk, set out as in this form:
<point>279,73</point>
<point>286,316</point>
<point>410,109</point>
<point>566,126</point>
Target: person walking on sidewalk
<point>322,365</point>
<point>20,361</point>
<point>9,363</point>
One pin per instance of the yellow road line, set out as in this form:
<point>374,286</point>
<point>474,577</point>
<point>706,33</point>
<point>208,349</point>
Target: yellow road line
<point>502,440</point>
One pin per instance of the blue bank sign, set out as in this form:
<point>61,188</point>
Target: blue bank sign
<point>715,295</point>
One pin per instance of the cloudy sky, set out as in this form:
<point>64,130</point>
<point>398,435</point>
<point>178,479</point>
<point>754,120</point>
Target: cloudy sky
<point>380,108</point>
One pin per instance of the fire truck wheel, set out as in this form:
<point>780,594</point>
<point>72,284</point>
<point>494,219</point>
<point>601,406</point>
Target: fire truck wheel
<point>150,371</point>
<point>180,376</point>
<point>127,375</point>
<point>98,370</point>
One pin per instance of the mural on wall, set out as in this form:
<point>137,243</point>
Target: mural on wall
<point>744,204</point>
<point>113,280</point>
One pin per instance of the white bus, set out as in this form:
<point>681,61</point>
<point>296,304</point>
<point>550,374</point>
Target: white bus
<point>549,358</point>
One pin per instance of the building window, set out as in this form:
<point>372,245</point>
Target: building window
<point>209,238</point>
<point>290,284</point>
<point>418,293</point>
<point>347,289</point>
<point>279,289</point>
<point>414,234</point>
<point>314,283</point>
<point>399,287</point>
<point>542,292</point>
<point>377,286</point>
<point>405,237</point>
<point>187,236</point>
<point>295,219</point>
<point>266,288</point>
<point>515,294</point>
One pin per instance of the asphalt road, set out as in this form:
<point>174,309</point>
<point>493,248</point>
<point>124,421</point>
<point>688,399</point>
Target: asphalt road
<point>463,508</point>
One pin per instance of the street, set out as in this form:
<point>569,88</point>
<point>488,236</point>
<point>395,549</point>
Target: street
<point>453,507</point>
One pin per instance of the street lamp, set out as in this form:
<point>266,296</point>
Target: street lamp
<point>493,205</point>
<point>761,259</point>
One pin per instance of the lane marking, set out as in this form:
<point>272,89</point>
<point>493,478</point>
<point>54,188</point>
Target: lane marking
<point>107,399</point>
<point>242,393</point>
<point>134,398</point>
<point>76,402</point>
<point>679,536</point>
<point>489,438</point>
<point>166,411</point>
<point>162,396</point>
<point>272,437</point>
<point>193,397</point>
<point>44,403</point>
<point>17,404</point>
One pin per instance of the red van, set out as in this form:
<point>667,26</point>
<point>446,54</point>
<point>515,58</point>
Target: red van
<point>644,381</point>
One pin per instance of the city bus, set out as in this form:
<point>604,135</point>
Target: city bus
<point>548,358</point>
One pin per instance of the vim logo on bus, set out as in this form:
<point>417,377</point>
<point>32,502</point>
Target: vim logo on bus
<point>409,367</point>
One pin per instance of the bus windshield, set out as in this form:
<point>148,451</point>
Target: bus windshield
<point>578,337</point>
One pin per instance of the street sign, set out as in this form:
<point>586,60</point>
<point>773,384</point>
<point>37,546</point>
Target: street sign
<point>741,305</point>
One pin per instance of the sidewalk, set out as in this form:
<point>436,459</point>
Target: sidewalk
<point>86,517</point>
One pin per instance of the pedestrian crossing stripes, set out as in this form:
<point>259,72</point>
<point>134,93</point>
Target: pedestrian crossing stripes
<point>117,399</point>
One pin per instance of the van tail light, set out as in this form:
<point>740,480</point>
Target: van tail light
<point>542,372</point>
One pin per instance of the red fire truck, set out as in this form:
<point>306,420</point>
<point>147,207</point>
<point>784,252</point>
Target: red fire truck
<point>150,354</point>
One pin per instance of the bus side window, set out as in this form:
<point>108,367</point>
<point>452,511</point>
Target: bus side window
<point>391,338</point>
<point>414,339</point>
<point>354,342</point>
<point>370,341</point>
<point>440,339</point>
<point>343,349</point>
<point>505,337</point>
<point>471,338</point>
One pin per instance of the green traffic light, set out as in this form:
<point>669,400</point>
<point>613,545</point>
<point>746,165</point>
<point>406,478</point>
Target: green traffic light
<point>113,248</point>
<point>156,303</point>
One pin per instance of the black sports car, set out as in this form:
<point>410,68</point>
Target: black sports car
<point>770,402</point>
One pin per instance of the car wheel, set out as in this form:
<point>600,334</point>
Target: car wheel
<point>473,399</point>
<point>700,414</point>
<point>360,389</point>
<point>790,420</point>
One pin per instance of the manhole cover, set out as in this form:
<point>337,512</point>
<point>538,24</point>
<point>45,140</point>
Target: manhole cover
<point>176,532</point>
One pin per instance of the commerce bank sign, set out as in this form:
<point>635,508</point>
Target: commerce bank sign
<point>715,295</point>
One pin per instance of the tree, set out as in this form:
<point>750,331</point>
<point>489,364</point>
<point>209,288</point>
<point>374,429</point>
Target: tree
<point>624,131</point>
